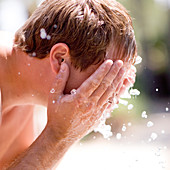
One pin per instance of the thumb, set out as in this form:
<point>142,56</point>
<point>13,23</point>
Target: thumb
<point>60,81</point>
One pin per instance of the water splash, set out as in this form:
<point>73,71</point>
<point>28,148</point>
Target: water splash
<point>52,90</point>
<point>124,128</point>
<point>163,131</point>
<point>144,115</point>
<point>134,92</point>
<point>150,124</point>
<point>154,136</point>
<point>102,128</point>
<point>130,106</point>
<point>73,91</point>
<point>118,136</point>
<point>48,37</point>
<point>138,60</point>
<point>34,54</point>
<point>43,33</point>
<point>55,26</point>
<point>123,102</point>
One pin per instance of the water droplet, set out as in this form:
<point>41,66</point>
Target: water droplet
<point>163,131</point>
<point>138,60</point>
<point>43,33</point>
<point>165,147</point>
<point>19,73</point>
<point>55,26</point>
<point>130,106</point>
<point>73,91</point>
<point>34,54</point>
<point>154,136</point>
<point>118,136</point>
<point>53,101</point>
<point>48,37</point>
<point>157,89</point>
<point>149,140</point>
<point>167,109</point>
<point>134,92</point>
<point>144,115</point>
<point>150,124</point>
<point>52,91</point>
<point>124,102</point>
<point>124,128</point>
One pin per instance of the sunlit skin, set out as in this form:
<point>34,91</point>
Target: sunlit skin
<point>27,81</point>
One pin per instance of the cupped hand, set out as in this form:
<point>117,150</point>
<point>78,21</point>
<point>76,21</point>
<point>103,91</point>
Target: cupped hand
<point>72,116</point>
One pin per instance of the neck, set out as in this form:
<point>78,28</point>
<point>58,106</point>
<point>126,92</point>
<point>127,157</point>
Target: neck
<point>25,79</point>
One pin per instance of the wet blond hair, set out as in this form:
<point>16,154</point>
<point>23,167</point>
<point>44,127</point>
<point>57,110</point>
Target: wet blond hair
<point>86,26</point>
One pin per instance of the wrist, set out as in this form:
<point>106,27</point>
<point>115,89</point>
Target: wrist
<point>56,136</point>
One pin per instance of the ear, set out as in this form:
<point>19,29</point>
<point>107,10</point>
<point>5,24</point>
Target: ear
<point>58,54</point>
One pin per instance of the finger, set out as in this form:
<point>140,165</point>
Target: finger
<point>97,115</point>
<point>122,88</point>
<point>128,82</point>
<point>112,89</point>
<point>122,91</point>
<point>104,107</point>
<point>133,68</point>
<point>119,79</point>
<point>119,87</point>
<point>108,79</point>
<point>60,81</point>
<point>130,79</point>
<point>132,72</point>
<point>90,85</point>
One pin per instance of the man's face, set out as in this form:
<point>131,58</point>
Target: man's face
<point>76,77</point>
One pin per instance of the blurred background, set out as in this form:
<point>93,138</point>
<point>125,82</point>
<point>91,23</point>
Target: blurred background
<point>140,126</point>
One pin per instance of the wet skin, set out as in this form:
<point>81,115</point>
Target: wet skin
<point>70,116</point>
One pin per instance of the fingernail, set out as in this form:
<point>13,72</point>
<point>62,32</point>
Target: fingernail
<point>120,62</point>
<point>109,61</point>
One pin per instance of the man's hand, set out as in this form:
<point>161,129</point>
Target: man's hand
<point>127,82</point>
<point>71,116</point>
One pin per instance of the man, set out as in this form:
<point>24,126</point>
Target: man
<point>87,45</point>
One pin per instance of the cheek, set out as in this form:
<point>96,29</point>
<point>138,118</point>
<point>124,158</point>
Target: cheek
<point>74,82</point>
<point>76,78</point>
